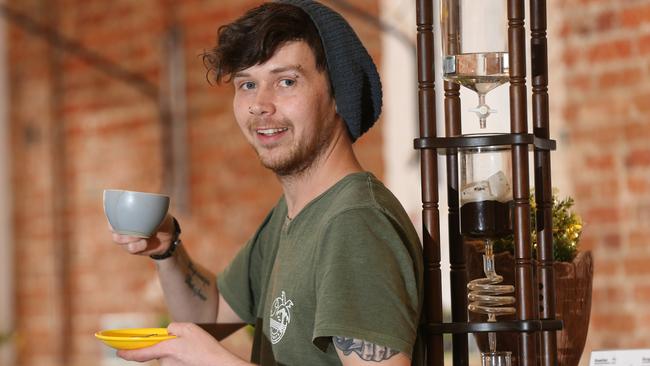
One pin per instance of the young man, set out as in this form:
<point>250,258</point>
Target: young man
<point>334,273</point>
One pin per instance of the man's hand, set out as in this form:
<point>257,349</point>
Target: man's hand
<point>156,244</point>
<point>192,347</point>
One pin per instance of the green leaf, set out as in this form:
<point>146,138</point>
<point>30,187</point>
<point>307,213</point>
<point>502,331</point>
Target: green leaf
<point>567,228</point>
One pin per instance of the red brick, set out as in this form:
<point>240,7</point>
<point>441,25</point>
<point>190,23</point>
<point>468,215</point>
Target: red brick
<point>609,51</point>
<point>638,186</point>
<point>580,81</point>
<point>591,2</point>
<point>641,101</point>
<point>602,215</point>
<point>621,78</point>
<point>637,131</point>
<point>597,134</point>
<point>570,114</point>
<point>612,241</point>
<point>645,319</point>
<point>609,342</point>
<point>612,322</point>
<point>636,343</point>
<point>607,20</point>
<point>602,106</point>
<point>606,268</point>
<point>638,158</point>
<point>638,237</point>
<point>642,293</point>
<point>644,44</point>
<point>565,29</point>
<point>571,57</point>
<point>610,293</point>
<point>637,266</point>
<point>600,162</point>
<point>609,187</point>
<point>634,16</point>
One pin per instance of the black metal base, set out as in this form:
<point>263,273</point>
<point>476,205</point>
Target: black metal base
<point>500,326</point>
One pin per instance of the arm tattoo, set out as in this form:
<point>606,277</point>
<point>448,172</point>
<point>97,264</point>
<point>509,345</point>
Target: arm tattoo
<point>366,350</point>
<point>192,274</point>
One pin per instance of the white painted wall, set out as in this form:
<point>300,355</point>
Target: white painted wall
<point>6,241</point>
<point>399,81</point>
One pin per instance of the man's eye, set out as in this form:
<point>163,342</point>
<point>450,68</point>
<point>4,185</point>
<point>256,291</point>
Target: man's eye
<point>287,82</point>
<point>247,85</point>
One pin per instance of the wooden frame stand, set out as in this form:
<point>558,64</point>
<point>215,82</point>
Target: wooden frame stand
<point>535,321</point>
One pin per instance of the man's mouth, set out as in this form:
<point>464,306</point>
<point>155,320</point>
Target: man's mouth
<point>271,131</point>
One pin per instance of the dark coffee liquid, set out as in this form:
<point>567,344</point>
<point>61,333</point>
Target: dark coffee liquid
<point>486,219</point>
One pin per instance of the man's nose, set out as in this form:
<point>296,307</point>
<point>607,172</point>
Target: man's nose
<point>264,103</point>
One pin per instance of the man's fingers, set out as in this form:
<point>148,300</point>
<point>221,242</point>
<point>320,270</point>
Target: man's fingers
<point>140,355</point>
<point>132,244</point>
<point>157,351</point>
<point>138,246</point>
<point>180,329</point>
<point>123,239</point>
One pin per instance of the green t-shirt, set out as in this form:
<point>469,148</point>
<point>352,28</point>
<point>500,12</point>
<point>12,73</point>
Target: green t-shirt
<point>349,264</point>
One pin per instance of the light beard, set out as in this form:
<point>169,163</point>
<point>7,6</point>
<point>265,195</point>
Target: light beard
<point>302,155</point>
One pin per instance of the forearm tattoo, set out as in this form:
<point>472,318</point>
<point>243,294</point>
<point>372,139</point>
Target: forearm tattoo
<point>194,276</point>
<point>366,350</point>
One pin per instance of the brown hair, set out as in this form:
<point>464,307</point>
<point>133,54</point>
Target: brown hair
<point>254,38</point>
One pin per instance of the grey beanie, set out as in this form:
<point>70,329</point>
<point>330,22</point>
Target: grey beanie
<point>353,74</point>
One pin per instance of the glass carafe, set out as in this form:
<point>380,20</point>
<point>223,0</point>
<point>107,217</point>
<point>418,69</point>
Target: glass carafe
<point>475,47</point>
<point>486,205</point>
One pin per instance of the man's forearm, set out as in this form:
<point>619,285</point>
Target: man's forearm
<point>190,290</point>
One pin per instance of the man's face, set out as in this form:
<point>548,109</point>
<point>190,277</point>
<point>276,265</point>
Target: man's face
<point>285,109</point>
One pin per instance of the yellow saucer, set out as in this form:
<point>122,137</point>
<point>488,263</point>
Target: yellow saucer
<point>133,338</point>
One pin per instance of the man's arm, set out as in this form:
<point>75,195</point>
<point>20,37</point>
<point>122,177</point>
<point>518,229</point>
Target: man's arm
<point>357,352</point>
<point>191,291</point>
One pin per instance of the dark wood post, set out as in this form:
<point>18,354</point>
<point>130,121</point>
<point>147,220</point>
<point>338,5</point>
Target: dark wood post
<point>458,269</point>
<point>521,191</point>
<point>429,171</point>
<point>543,186</point>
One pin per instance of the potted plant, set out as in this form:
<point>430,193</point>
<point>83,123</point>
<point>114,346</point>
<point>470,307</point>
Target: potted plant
<point>573,280</point>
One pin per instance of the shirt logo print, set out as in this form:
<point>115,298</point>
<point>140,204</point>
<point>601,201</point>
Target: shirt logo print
<point>280,317</point>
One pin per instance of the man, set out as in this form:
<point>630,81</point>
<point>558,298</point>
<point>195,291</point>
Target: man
<point>334,273</point>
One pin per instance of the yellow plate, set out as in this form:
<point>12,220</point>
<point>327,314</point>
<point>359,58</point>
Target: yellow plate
<point>133,338</point>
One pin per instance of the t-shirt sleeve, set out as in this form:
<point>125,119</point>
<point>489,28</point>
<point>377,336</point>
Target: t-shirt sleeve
<point>366,282</point>
<point>235,284</point>
<point>240,283</point>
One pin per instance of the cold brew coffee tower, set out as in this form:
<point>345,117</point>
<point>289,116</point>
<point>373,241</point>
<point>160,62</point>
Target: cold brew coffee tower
<point>487,177</point>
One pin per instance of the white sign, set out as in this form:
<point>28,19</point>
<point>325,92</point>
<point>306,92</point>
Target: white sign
<point>632,357</point>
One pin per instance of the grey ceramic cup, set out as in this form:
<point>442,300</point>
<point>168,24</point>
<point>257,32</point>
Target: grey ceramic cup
<point>135,213</point>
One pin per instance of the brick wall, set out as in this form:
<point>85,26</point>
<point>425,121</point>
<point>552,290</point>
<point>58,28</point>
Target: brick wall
<point>77,130</point>
<point>604,63</point>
